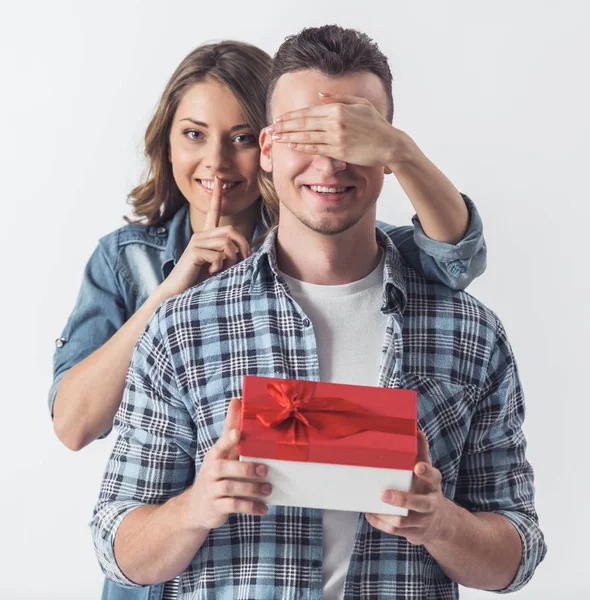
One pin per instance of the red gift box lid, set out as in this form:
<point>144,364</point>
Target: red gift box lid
<point>334,423</point>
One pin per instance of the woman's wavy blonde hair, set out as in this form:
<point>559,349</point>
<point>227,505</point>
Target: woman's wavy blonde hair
<point>242,68</point>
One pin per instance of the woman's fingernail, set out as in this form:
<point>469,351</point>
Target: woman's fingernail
<point>278,119</point>
<point>270,129</point>
<point>388,497</point>
<point>266,489</point>
<point>325,95</point>
<point>261,470</point>
<point>276,136</point>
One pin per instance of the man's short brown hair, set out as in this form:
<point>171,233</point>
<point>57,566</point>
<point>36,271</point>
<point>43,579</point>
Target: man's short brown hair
<point>333,51</point>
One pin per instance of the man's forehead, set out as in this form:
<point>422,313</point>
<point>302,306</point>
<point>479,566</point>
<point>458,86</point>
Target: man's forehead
<point>301,89</point>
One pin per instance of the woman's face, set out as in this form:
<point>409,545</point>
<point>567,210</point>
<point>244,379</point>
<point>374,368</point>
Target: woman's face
<point>210,137</point>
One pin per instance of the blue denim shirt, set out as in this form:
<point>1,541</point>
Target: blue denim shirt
<point>132,261</point>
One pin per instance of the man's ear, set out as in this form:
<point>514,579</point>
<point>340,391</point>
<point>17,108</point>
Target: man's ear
<point>265,141</point>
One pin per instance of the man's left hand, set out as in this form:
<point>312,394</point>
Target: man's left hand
<point>428,509</point>
<point>345,128</point>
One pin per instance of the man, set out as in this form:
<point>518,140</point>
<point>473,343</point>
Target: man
<point>326,298</point>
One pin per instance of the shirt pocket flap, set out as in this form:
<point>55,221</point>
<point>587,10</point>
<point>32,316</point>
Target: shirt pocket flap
<point>445,411</point>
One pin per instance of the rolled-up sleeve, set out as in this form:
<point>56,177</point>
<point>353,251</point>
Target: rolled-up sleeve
<point>152,460</point>
<point>98,314</point>
<point>494,474</point>
<point>454,265</point>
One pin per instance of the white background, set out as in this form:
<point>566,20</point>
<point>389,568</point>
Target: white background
<point>495,93</point>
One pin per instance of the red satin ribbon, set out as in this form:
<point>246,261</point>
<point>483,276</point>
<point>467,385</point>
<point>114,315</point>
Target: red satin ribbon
<point>298,410</point>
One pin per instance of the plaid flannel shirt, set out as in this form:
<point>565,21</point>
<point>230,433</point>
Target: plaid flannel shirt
<point>189,363</point>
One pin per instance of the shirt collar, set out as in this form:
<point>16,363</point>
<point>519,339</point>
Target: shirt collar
<point>179,235</point>
<point>394,285</point>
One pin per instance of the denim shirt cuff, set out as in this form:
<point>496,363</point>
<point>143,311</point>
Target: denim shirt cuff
<point>533,549</point>
<point>456,255</point>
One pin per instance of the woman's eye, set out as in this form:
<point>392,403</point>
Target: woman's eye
<point>193,135</point>
<point>245,138</point>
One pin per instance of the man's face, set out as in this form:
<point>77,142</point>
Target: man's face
<point>297,176</point>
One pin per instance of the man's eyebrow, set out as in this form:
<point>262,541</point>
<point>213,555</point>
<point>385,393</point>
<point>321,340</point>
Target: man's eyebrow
<point>202,124</point>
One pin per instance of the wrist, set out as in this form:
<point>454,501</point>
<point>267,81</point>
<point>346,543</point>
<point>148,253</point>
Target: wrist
<point>448,521</point>
<point>161,294</point>
<point>404,154</point>
<point>187,515</point>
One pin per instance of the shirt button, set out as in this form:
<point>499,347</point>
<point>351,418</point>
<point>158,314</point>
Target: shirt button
<point>59,342</point>
<point>306,322</point>
<point>161,230</point>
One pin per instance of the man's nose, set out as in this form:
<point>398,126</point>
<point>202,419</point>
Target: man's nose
<point>327,165</point>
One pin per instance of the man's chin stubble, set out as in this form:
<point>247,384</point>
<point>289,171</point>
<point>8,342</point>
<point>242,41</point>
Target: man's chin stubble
<point>331,228</point>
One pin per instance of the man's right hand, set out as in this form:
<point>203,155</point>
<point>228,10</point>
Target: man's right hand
<point>225,485</point>
<point>218,247</point>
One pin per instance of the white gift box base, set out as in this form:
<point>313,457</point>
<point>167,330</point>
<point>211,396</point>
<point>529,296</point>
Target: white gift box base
<point>333,487</point>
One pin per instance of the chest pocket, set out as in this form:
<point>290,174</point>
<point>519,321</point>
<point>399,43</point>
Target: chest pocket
<point>445,411</point>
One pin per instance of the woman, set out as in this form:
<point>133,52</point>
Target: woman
<point>198,212</point>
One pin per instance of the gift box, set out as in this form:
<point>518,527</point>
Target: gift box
<point>330,446</point>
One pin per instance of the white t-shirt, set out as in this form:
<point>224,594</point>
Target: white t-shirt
<point>349,328</point>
